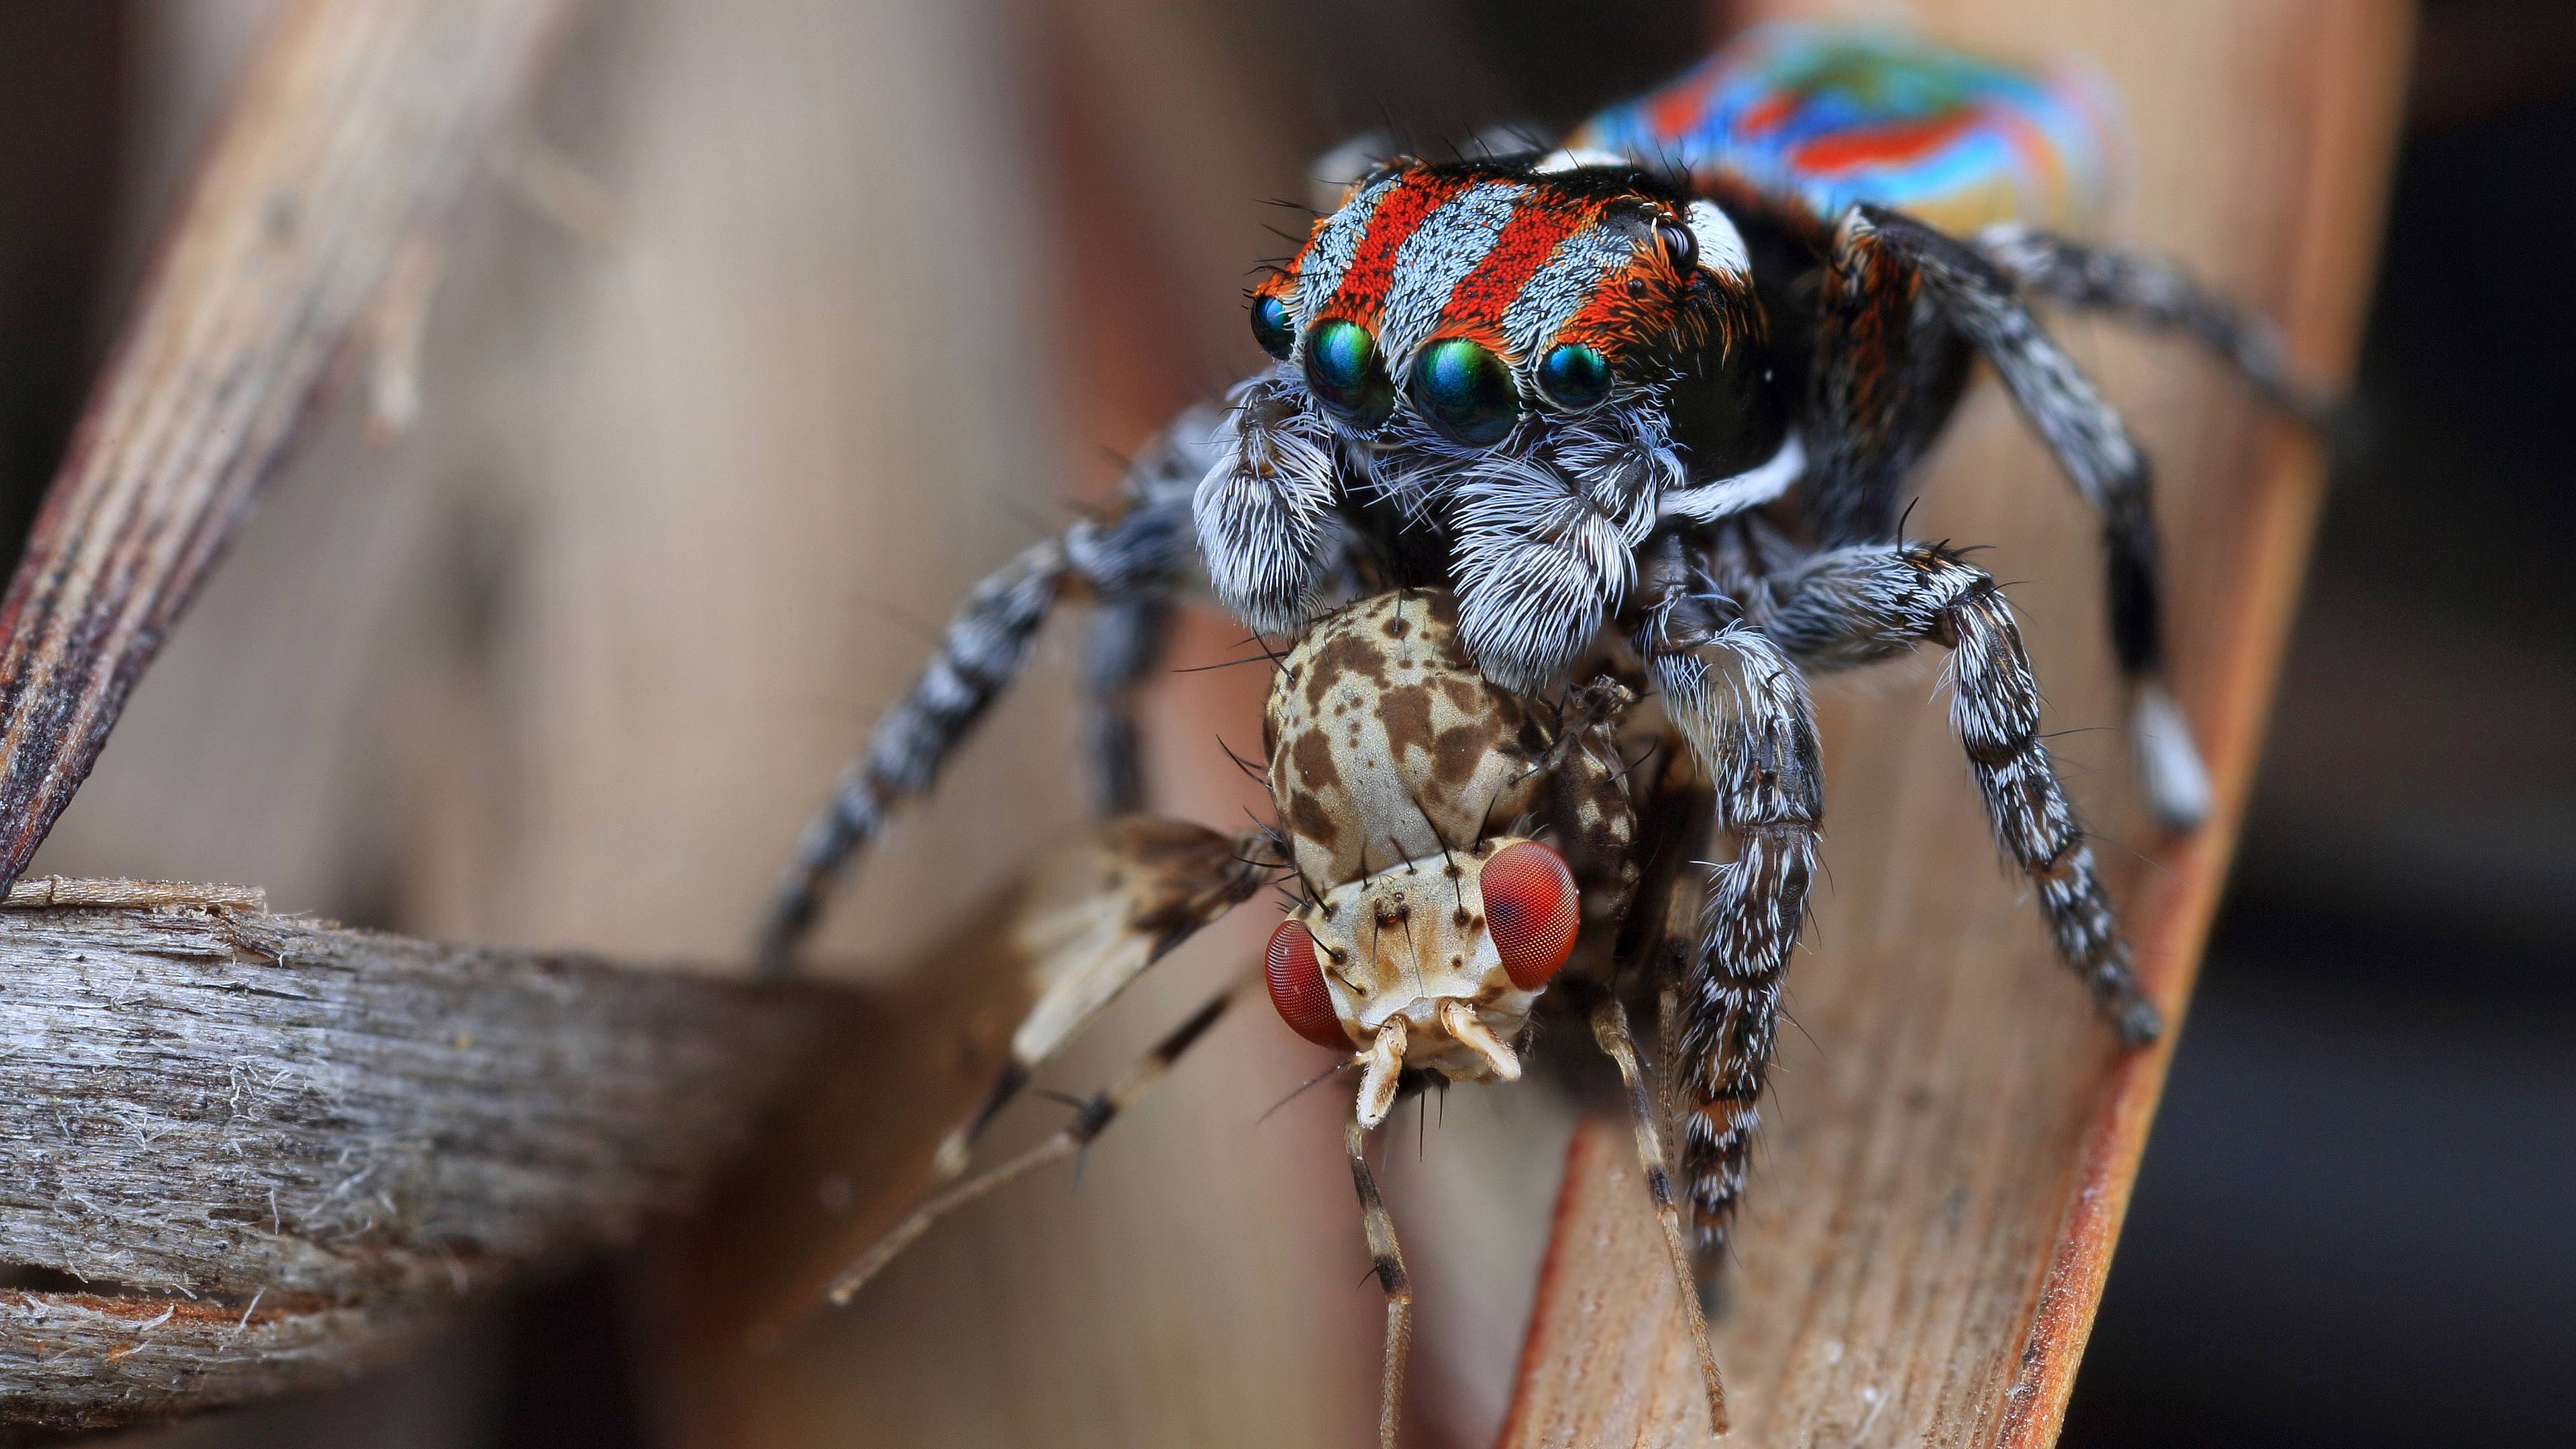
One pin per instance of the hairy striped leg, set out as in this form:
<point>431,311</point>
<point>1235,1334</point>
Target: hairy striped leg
<point>1886,375</point>
<point>2157,296</point>
<point>1091,1117</point>
<point>1386,1259</point>
<point>1854,605</point>
<point>1740,703</point>
<point>1139,552</point>
<point>1126,638</point>
<point>1971,294</point>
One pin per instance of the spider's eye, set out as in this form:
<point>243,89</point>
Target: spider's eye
<point>1297,987</point>
<point>1680,243</point>
<point>1530,909</point>
<point>1465,391</point>
<point>1346,375</point>
<point>1573,376</point>
<point>1270,327</point>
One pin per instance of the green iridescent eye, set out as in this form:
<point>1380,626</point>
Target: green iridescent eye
<point>1345,374</point>
<point>1573,376</point>
<point>1270,327</point>
<point>1465,391</point>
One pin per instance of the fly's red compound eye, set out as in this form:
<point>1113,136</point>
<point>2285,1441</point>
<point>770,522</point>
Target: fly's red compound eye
<point>1297,987</point>
<point>1530,908</point>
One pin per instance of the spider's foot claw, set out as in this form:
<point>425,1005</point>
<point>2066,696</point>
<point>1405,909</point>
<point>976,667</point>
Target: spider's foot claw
<point>2137,1021</point>
<point>2169,766</point>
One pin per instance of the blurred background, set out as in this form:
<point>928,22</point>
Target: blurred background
<point>939,248</point>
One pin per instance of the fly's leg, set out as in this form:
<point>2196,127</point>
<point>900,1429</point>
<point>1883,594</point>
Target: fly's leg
<point>1091,1118</point>
<point>1744,710</point>
<point>1387,1261</point>
<point>1610,1031</point>
<point>2158,296</point>
<point>1972,295</point>
<point>1854,605</point>
<point>1589,804</point>
<point>1140,551</point>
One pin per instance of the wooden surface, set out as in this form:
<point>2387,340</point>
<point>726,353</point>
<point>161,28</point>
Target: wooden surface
<point>347,141</point>
<point>242,1153</point>
<point>1952,1137</point>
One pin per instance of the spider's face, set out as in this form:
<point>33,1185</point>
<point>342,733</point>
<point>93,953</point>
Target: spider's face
<point>1471,302</point>
<point>1527,354</point>
<point>1432,965</point>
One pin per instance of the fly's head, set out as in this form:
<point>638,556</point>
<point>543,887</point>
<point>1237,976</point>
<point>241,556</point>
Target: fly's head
<point>1528,354</point>
<point>1432,964</point>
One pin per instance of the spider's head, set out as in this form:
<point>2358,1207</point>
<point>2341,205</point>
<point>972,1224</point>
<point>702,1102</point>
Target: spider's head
<point>1431,965</point>
<point>1527,353</point>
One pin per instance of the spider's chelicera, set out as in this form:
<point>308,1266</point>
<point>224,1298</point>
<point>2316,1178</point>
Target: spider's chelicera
<point>1653,398</point>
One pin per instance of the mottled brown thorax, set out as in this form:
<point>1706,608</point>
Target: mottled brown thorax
<point>1386,744</point>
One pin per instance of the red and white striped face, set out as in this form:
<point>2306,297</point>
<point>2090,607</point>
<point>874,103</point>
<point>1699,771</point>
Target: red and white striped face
<point>1480,299</point>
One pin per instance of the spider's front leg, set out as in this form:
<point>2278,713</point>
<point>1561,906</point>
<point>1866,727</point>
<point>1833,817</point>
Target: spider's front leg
<point>1900,259</point>
<point>1856,605</point>
<point>1743,708</point>
<point>1132,560</point>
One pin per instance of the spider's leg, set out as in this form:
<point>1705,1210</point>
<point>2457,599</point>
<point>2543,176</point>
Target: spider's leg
<point>2156,295</point>
<point>1886,375</point>
<point>1125,639</point>
<point>1853,605</point>
<point>1741,704</point>
<point>1096,919</point>
<point>1387,1260</point>
<point>2095,449</point>
<point>1139,551</point>
<point>1090,1120</point>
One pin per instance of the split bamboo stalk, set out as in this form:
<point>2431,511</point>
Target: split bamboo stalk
<point>1952,1139</point>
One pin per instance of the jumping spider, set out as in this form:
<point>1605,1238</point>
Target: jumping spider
<point>1658,392</point>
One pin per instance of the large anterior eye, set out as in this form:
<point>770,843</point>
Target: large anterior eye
<point>1346,375</point>
<point>1297,987</point>
<point>1531,910</point>
<point>1270,327</point>
<point>1465,391</point>
<point>1573,376</point>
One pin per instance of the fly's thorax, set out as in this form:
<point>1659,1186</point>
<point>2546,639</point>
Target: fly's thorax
<point>1387,745</point>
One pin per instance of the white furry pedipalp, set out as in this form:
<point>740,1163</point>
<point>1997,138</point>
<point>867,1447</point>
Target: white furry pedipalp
<point>1264,507</point>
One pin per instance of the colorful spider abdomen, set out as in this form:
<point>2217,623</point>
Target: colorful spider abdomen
<point>1833,117</point>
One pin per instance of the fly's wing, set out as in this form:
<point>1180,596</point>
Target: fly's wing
<point>1828,117</point>
<point>1095,917</point>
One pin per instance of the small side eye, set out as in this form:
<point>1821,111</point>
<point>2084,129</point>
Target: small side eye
<point>1346,375</point>
<point>1574,377</point>
<point>1530,908</point>
<point>1297,987</point>
<point>1466,392</point>
<point>1270,327</point>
